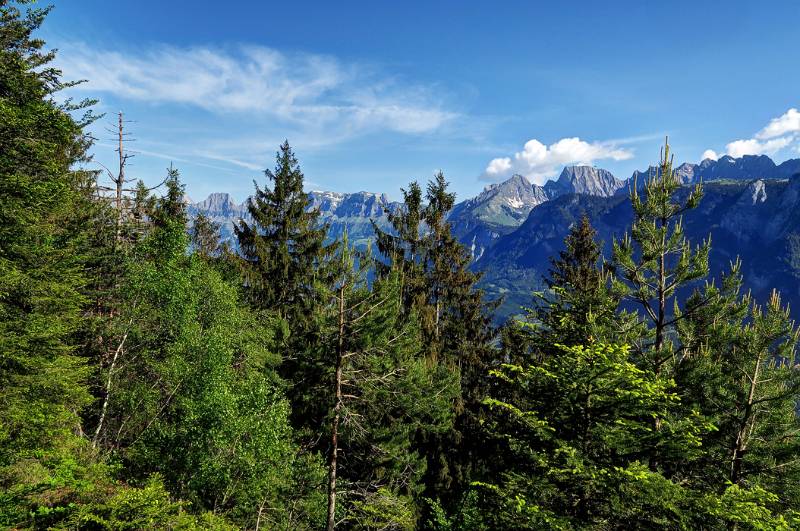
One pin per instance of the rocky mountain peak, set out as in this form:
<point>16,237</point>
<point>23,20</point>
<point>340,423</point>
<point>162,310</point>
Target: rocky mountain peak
<point>742,168</point>
<point>219,204</point>
<point>515,194</point>
<point>585,180</point>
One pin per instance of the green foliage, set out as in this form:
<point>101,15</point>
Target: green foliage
<point>42,377</point>
<point>283,246</point>
<point>196,395</point>
<point>656,259</point>
<point>148,507</point>
<point>576,432</point>
<point>383,509</point>
<point>740,372</point>
<point>383,392</point>
<point>205,236</point>
<point>141,391</point>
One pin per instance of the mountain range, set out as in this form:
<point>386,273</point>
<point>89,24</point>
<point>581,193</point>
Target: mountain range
<point>351,212</point>
<point>751,209</point>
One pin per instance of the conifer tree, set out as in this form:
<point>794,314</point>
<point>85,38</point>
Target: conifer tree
<point>403,248</point>
<point>382,392</point>
<point>578,308</point>
<point>575,432</point>
<point>49,246</point>
<point>739,370</point>
<point>581,283</point>
<point>283,246</point>
<point>205,236</point>
<point>42,233</point>
<point>656,260</point>
<point>454,319</point>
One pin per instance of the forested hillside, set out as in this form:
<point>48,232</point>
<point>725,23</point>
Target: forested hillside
<point>152,378</point>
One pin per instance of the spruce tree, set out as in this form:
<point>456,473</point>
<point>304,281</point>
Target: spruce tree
<point>43,197</point>
<point>382,392</point>
<point>205,236</point>
<point>454,319</point>
<point>574,433</point>
<point>402,248</point>
<point>578,308</point>
<point>283,246</point>
<point>580,283</point>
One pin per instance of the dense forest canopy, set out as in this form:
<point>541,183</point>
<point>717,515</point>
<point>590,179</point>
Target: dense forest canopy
<point>152,378</point>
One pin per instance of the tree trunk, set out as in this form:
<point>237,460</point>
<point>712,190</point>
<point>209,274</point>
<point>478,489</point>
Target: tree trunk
<point>120,180</point>
<point>740,446</point>
<point>337,412</point>
<point>662,304</point>
<point>109,381</point>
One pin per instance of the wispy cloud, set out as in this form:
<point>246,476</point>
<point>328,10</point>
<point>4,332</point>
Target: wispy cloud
<point>539,162</point>
<point>304,90</point>
<point>174,157</point>
<point>779,133</point>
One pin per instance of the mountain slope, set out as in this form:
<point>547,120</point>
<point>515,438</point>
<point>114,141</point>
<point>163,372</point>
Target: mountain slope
<point>498,210</point>
<point>502,207</point>
<point>751,208</point>
<point>757,221</point>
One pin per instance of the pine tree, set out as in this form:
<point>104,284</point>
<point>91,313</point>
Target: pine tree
<point>283,246</point>
<point>739,370</point>
<point>656,260</point>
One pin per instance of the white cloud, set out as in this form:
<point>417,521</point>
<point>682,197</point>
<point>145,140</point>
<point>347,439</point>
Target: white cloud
<point>788,122</point>
<point>778,134</point>
<point>752,146</point>
<point>709,154</point>
<point>539,162</point>
<point>308,90</point>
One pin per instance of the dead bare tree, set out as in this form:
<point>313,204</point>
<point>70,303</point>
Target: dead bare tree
<point>122,198</point>
<point>120,183</point>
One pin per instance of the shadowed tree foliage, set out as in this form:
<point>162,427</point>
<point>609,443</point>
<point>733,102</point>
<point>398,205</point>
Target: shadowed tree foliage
<point>283,267</point>
<point>205,236</point>
<point>383,392</point>
<point>284,245</point>
<point>402,247</point>
<point>440,290</point>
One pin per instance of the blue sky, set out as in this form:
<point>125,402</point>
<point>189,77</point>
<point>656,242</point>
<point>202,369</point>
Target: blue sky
<point>374,94</point>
